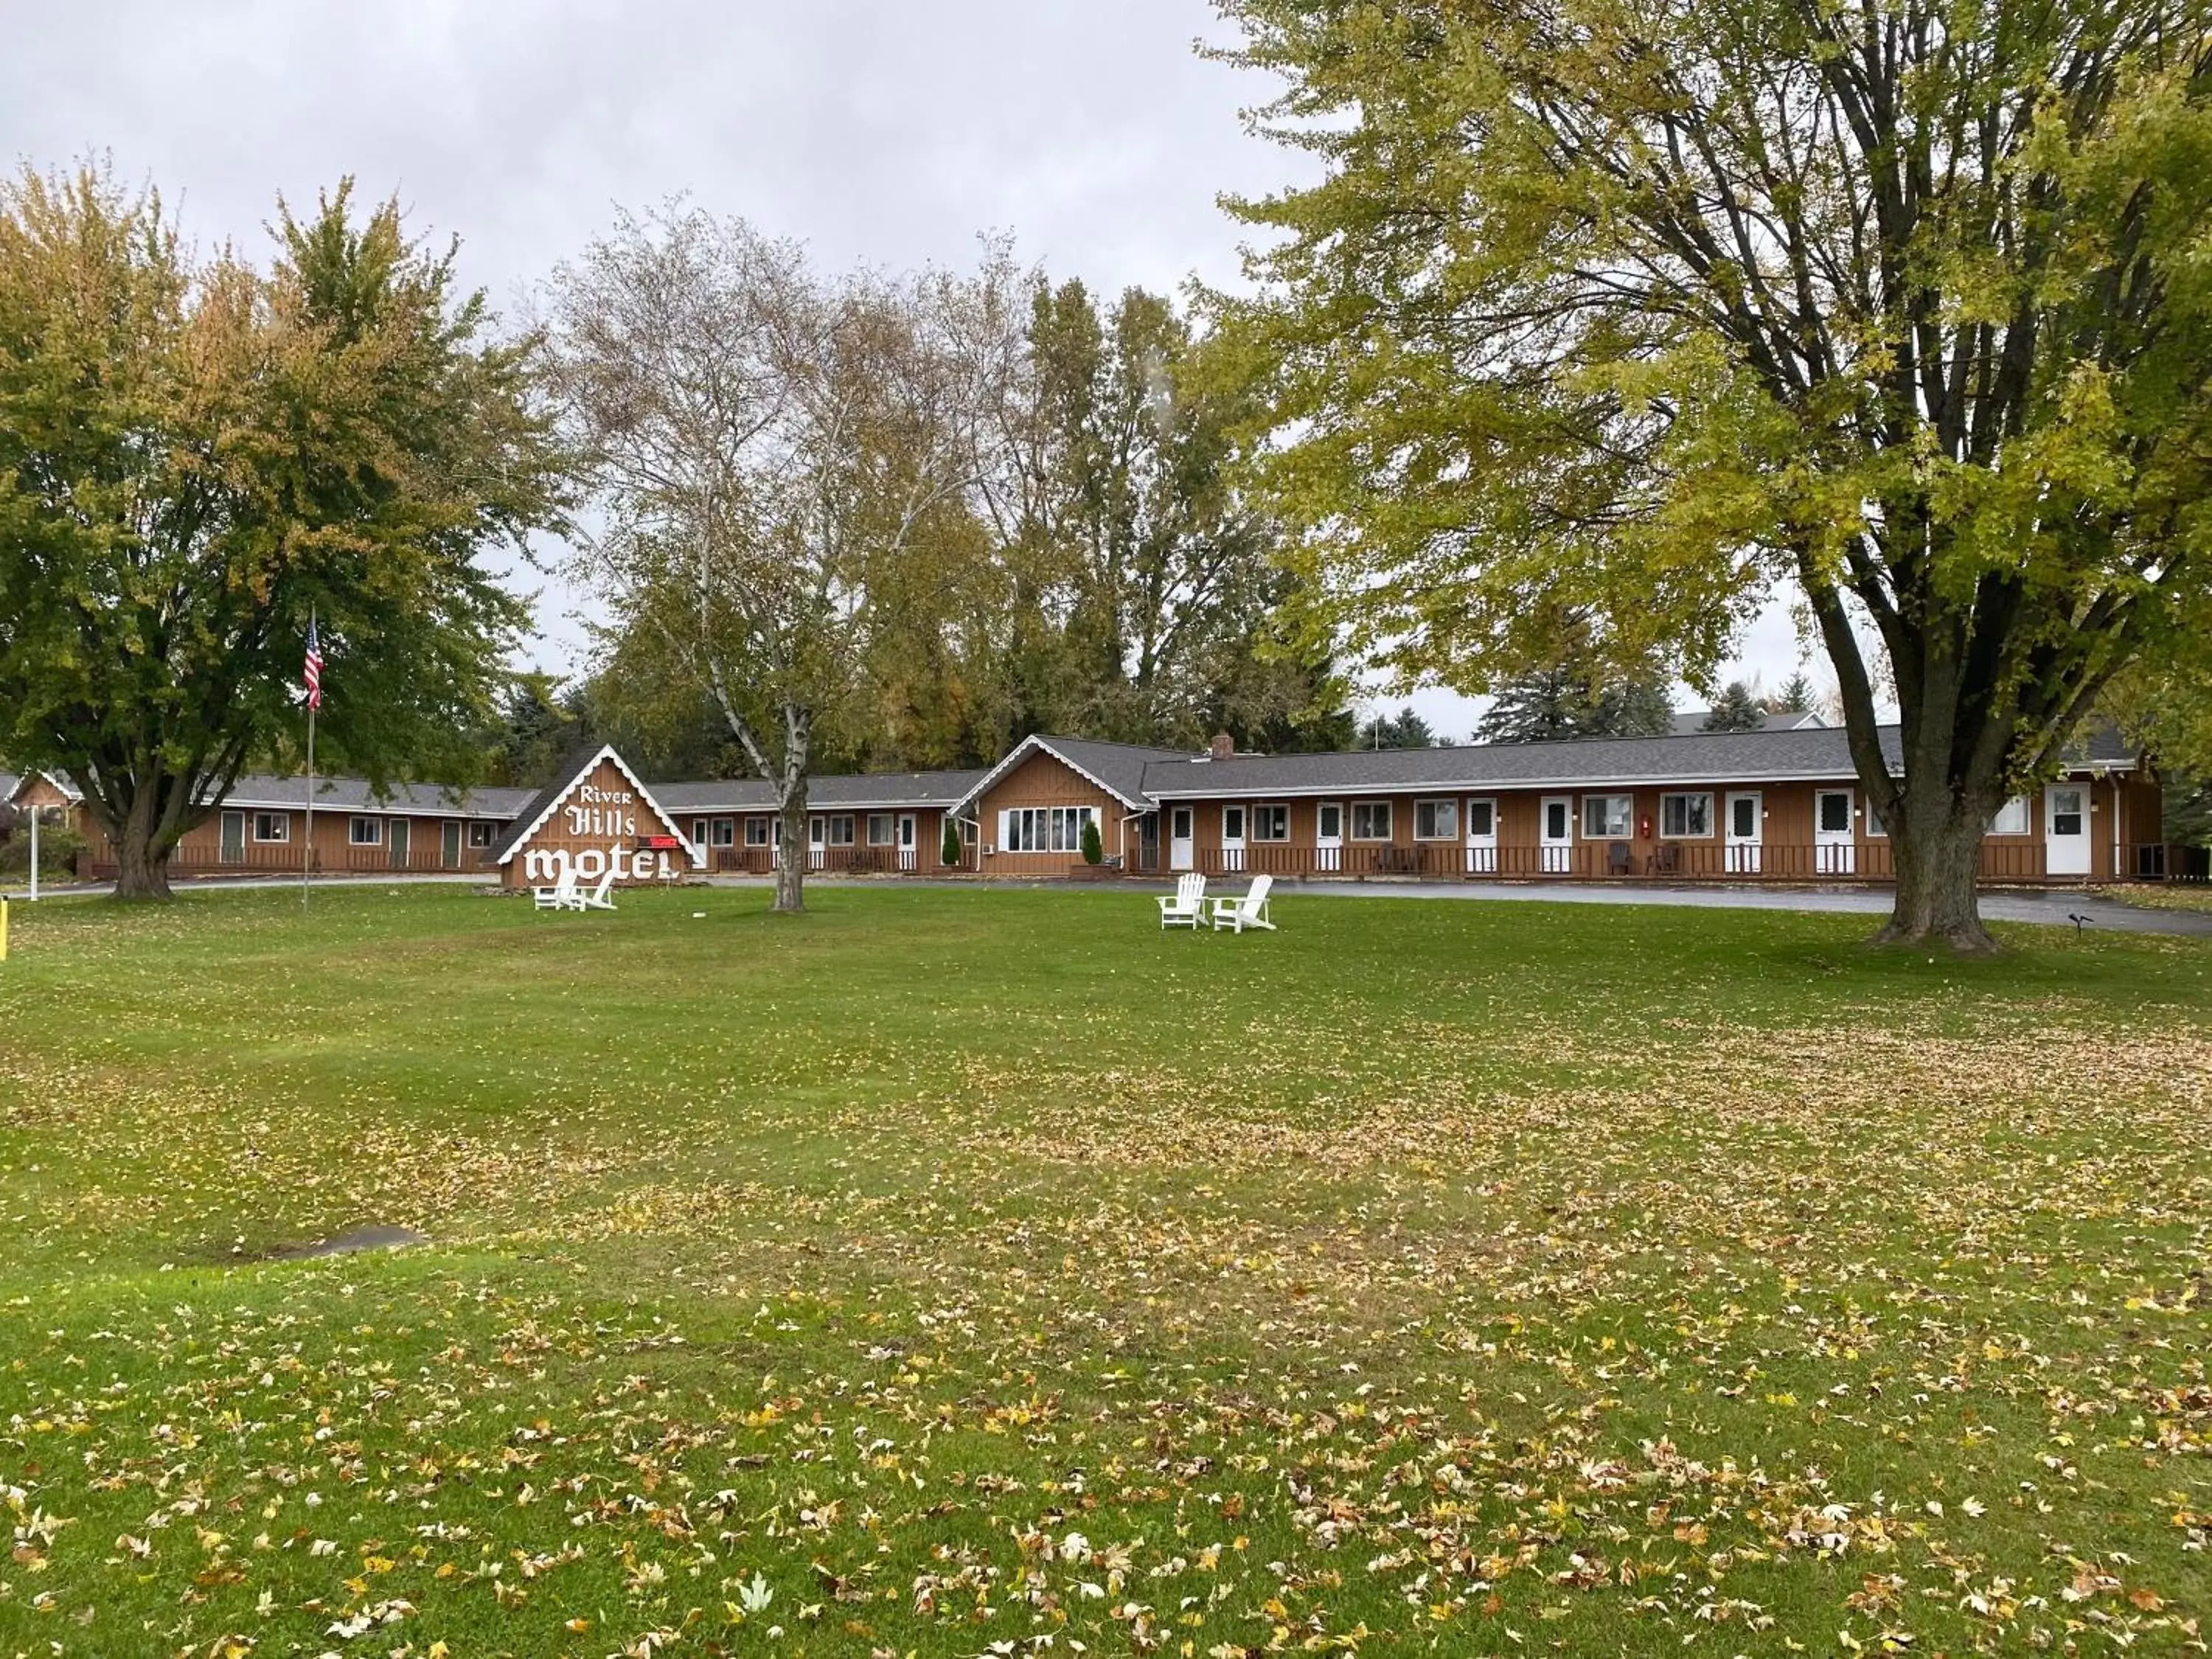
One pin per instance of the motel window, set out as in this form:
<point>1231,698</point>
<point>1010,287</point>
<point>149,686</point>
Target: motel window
<point>1436,820</point>
<point>366,832</point>
<point>1686,815</point>
<point>1481,819</point>
<point>1832,809</point>
<point>1328,821</point>
<point>1044,828</point>
<point>1370,820</point>
<point>2011,819</point>
<point>880,829</point>
<point>1607,817</point>
<point>756,831</point>
<point>272,826</point>
<point>724,832</point>
<point>840,829</point>
<point>480,834</point>
<point>1271,822</point>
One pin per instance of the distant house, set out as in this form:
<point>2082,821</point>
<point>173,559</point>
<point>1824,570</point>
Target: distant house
<point>1781,804</point>
<point>1690,722</point>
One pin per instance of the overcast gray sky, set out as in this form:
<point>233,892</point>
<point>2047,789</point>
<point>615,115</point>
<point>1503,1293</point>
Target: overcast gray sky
<point>886,133</point>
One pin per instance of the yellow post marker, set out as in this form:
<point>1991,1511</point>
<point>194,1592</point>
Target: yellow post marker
<point>3,930</point>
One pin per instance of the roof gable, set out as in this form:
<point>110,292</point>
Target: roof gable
<point>1119,768</point>
<point>533,817</point>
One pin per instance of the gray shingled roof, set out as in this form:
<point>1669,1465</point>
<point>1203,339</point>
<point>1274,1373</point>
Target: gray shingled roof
<point>1118,767</point>
<point>355,795</point>
<point>8,780</point>
<point>851,789</point>
<point>1777,756</point>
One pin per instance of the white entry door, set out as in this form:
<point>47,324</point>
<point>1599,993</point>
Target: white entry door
<point>817,855</point>
<point>2066,829</point>
<point>1328,836</point>
<point>1232,839</point>
<point>1747,834</point>
<point>907,854</point>
<point>1558,840</point>
<point>1835,844</point>
<point>1482,837</point>
<point>1179,839</point>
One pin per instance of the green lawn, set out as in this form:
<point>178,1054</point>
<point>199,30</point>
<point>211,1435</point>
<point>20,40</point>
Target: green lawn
<point>983,1272</point>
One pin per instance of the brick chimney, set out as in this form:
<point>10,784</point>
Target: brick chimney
<point>1223,747</point>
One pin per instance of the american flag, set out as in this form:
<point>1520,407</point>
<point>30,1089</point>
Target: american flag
<point>313,671</point>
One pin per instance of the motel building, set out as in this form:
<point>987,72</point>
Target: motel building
<point>1781,805</point>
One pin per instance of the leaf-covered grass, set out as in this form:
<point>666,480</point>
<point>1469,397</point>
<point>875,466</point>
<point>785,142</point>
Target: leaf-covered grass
<point>983,1273</point>
<point>2159,895</point>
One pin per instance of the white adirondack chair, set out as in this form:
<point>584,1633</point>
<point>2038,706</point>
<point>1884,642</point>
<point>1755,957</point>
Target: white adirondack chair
<point>1188,907</point>
<point>597,899</point>
<point>1250,910</point>
<point>562,896</point>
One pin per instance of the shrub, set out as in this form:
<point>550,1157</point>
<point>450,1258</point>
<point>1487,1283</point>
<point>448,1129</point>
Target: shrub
<point>950,852</point>
<point>1094,850</point>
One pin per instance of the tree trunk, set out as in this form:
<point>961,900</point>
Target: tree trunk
<point>142,856</point>
<point>790,799</point>
<point>1938,855</point>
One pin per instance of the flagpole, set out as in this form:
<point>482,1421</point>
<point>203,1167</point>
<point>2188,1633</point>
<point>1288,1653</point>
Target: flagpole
<point>308,852</point>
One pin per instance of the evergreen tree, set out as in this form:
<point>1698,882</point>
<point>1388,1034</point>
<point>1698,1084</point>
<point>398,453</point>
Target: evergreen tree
<point>1405,730</point>
<point>1794,698</point>
<point>1542,705</point>
<point>1735,710</point>
<point>1639,707</point>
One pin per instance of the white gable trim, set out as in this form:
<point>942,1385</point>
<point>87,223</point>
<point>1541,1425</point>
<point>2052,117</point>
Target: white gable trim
<point>69,791</point>
<point>515,843</point>
<point>1037,742</point>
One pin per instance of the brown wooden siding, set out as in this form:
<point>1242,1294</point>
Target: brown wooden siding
<point>1045,780</point>
<point>860,857</point>
<point>200,852</point>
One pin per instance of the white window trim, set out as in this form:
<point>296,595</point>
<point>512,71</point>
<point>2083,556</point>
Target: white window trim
<point>2027,826</point>
<point>1389,823</point>
<point>480,833</point>
<point>835,821</point>
<point>1850,813</point>
<point>1322,806</point>
<point>759,831</point>
<point>282,820</point>
<point>1450,803</point>
<point>889,821</point>
<point>1253,824</point>
<point>1466,816</point>
<point>1582,818</point>
<point>1043,825</point>
<point>355,838</point>
<point>1712,815</point>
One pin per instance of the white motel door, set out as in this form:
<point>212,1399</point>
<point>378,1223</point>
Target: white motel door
<point>1328,836</point>
<point>1179,837</point>
<point>1835,845</point>
<point>1558,840</point>
<point>1232,839</point>
<point>906,846</point>
<point>817,855</point>
<point>2066,829</point>
<point>1482,837</point>
<point>1747,834</point>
